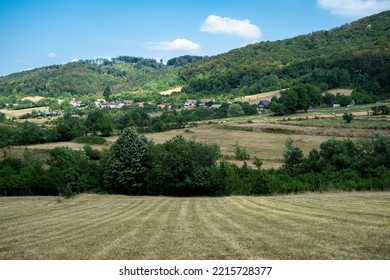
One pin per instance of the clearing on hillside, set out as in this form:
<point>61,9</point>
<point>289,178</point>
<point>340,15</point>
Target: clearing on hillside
<point>342,91</point>
<point>307,226</point>
<point>169,91</point>
<point>21,112</point>
<point>35,98</point>
<point>255,98</point>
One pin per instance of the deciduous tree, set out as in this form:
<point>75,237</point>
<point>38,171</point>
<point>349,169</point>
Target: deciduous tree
<point>126,164</point>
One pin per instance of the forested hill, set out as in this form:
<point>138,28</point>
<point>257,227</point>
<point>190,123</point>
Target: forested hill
<point>354,55</point>
<point>92,76</point>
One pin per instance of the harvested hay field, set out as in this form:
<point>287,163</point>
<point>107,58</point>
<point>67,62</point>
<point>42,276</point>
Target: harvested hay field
<point>19,152</point>
<point>255,98</point>
<point>306,226</point>
<point>169,91</point>
<point>342,91</point>
<point>268,147</point>
<point>21,112</point>
<point>35,98</point>
<point>72,145</point>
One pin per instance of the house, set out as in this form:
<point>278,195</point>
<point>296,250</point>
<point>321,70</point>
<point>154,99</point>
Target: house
<point>190,103</point>
<point>165,106</point>
<point>336,105</point>
<point>264,104</point>
<point>128,102</point>
<point>205,102</point>
<point>75,103</point>
<point>140,104</point>
<point>115,104</point>
<point>215,106</point>
<point>99,104</point>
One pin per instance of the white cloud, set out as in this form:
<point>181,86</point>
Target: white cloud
<point>354,8</point>
<point>51,55</point>
<point>242,28</point>
<point>109,58</point>
<point>175,45</point>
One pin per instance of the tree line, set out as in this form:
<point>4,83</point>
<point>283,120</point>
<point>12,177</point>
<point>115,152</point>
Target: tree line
<point>180,167</point>
<point>102,123</point>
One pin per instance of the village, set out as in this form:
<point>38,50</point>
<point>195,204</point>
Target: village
<point>187,104</point>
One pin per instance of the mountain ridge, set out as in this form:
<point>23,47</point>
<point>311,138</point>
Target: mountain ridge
<point>356,49</point>
<point>355,55</point>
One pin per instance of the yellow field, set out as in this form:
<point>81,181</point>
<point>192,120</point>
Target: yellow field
<point>21,112</point>
<point>255,98</point>
<point>35,98</point>
<point>342,91</point>
<point>248,132</point>
<point>267,146</point>
<point>307,226</point>
<point>169,91</point>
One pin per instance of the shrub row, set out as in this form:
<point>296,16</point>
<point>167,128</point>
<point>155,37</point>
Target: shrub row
<point>182,167</point>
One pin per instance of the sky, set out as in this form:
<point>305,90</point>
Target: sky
<point>37,33</point>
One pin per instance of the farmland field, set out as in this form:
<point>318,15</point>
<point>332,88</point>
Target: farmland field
<point>18,113</point>
<point>263,136</point>
<point>307,226</point>
<point>267,146</point>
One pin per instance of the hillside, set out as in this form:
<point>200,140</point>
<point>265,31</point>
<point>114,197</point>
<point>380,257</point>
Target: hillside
<point>355,54</point>
<point>91,76</point>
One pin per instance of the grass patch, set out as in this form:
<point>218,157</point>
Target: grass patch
<point>280,130</point>
<point>364,123</point>
<point>266,146</point>
<point>308,226</point>
<point>91,140</point>
<point>233,127</point>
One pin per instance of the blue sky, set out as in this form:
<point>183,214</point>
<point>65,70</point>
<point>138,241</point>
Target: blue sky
<point>37,33</point>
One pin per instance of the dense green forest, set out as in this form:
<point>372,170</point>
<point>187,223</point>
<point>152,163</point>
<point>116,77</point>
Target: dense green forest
<point>92,76</point>
<point>355,55</point>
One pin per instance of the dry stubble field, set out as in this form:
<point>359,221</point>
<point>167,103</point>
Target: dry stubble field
<point>307,226</point>
<point>267,146</point>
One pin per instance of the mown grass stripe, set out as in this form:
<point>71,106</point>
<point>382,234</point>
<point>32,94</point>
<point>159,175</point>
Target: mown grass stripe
<point>62,222</point>
<point>122,247</point>
<point>307,226</point>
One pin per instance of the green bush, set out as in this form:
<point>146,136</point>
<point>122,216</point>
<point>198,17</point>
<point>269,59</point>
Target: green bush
<point>91,140</point>
<point>92,154</point>
<point>23,177</point>
<point>348,117</point>
<point>241,153</point>
<point>293,156</point>
<point>178,168</point>
<point>72,172</point>
<point>2,117</point>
